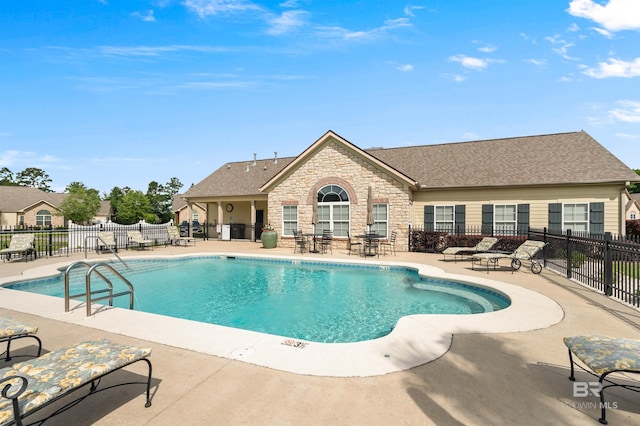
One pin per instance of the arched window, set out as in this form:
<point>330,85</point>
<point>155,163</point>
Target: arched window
<point>43,218</point>
<point>333,210</point>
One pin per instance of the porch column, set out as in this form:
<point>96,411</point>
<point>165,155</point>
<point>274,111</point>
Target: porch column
<point>189,218</point>
<point>220,219</point>
<point>253,220</point>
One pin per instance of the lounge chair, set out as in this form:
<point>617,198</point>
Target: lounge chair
<point>31,385</point>
<point>20,244</point>
<point>107,241</point>
<point>603,355</point>
<point>11,330</point>
<point>484,245</point>
<point>135,238</point>
<point>526,251</point>
<point>175,238</point>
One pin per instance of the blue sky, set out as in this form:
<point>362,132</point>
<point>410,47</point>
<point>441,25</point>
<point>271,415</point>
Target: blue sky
<point>125,92</point>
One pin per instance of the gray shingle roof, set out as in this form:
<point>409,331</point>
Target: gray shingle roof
<point>529,160</point>
<point>16,198</point>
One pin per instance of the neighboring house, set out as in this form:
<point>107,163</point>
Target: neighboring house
<point>180,211</point>
<point>558,181</point>
<point>632,208</point>
<point>24,207</point>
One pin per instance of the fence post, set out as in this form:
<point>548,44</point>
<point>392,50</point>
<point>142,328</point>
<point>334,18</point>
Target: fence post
<point>569,254</point>
<point>50,240</point>
<point>608,265</point>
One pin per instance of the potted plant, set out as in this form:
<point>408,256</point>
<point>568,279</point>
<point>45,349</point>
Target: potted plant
<point>269,236</point>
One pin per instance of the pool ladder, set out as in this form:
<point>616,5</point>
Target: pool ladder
<point>88,295</point>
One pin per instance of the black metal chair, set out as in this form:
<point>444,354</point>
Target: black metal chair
<point>352,244</point>
<point>326,242</point>
<point>301,242</point>
<point>391,243</point>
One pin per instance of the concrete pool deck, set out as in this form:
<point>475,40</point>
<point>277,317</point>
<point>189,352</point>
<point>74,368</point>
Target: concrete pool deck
<point>507,376</point>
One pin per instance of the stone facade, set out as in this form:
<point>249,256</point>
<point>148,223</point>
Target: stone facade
<point>335,163</point>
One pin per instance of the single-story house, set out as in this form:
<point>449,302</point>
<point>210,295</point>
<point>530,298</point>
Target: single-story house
<point>632,206</point>
<point>25,207</point>
<point>558,181</point>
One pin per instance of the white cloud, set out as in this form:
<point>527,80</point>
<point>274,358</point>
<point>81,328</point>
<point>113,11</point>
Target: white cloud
<point>627,136</point>
<point>204,8</point>
<point>455,77</point>
<point>408,9</point>
<point>629,112</point>
<point>561,46</point>
<point>470,62</point>
<point>156,50</point>
<point>405,67</point>
<point>538,62</point>
<point>603,32</point>
<point>470,136</point>
<point>615,68</point>
<point>573,28</point>
<point>614,15</point>
<point>343,33</point>
<point>289,20</point>
<point>149,17</point>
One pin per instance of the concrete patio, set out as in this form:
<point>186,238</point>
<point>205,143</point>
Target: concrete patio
<point>496,379</point>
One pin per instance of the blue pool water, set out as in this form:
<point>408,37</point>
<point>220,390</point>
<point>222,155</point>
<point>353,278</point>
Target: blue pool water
<point>305,300</point>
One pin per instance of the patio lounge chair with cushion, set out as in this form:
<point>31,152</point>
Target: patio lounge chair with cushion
<point>526,251</point>
<point>135,238</point>
<point>20,243</point>
<point>175,238</point>
<point>604,355</point>
<point>11,330</point>
<point>107,241</point>
<point>31,385</point>
<point>484,245</point>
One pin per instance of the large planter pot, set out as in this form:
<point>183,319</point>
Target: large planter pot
<point>269,239</point>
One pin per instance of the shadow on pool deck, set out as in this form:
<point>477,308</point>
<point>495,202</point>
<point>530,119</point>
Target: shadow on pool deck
<point>508,378</point>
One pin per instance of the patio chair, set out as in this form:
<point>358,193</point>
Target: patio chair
<point>351,244</point>
<point>604,355</point>
<point>136,238</point>
<point>11,330</point>
<point>301,243</point>
<point>484,245</point>
<point>175,238</point>
<point>32,385</point>
<point>326,242</point>
<point>525,251</point>
<point>20,244</point>
<point>107,241</point>
<point>391,243</point>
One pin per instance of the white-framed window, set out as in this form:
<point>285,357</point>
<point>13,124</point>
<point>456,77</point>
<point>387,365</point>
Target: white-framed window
<point>505,218</point>
<point>333,210</point>
<point>381,219</point>
<point>289,220</point>
<point>43,218</point>
<point>195,215</point>
<point>633,216</point>
<point>575,216</point>
<point>444,218</point>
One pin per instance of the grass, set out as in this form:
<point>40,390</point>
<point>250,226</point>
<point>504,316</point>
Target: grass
<point>630,269</point>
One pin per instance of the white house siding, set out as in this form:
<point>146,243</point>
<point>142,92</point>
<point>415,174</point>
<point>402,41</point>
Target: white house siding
<point>336,164</point>
<point>538,199</point>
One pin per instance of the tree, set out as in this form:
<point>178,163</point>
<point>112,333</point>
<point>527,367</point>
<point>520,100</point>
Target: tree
<point>35,178</point>
<point>132,207</point>
<point>7,178</point>
<point>161,199</point>
<point>82,203</point>
<point>634,187</point>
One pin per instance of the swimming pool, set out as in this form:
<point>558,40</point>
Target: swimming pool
<point>313,301</point>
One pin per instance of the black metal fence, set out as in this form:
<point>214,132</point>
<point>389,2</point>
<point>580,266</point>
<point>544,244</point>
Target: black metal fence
<point>606,262</point>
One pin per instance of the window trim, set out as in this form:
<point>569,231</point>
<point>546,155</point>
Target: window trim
<point>452,226</point>
<point>504,230</point>
<point>586,222</point>
<point>295,222</point>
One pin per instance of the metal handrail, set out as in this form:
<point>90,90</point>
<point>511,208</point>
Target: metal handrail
<point>98,237</point>
<point>89,293</point>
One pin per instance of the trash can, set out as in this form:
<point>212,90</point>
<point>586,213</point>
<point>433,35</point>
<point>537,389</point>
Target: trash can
<point>237,231</point>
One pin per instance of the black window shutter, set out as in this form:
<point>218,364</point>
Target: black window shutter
<point>523,218</point>
<point>596,218</point>
<point>460,219</point>
<point>555,217</point>
<point>429,212</point>
<point>487,219</point>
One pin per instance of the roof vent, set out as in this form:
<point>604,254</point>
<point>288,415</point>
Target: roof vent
<point>248,163</point>
<point>254,158</point>
<point>228,166</point>
<point>275,157</point>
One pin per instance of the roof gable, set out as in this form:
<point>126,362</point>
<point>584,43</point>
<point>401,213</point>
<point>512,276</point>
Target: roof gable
<point>324,140</point>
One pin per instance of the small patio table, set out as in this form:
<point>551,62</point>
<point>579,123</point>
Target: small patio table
<point>369,246</point>
<point>314,236</point>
